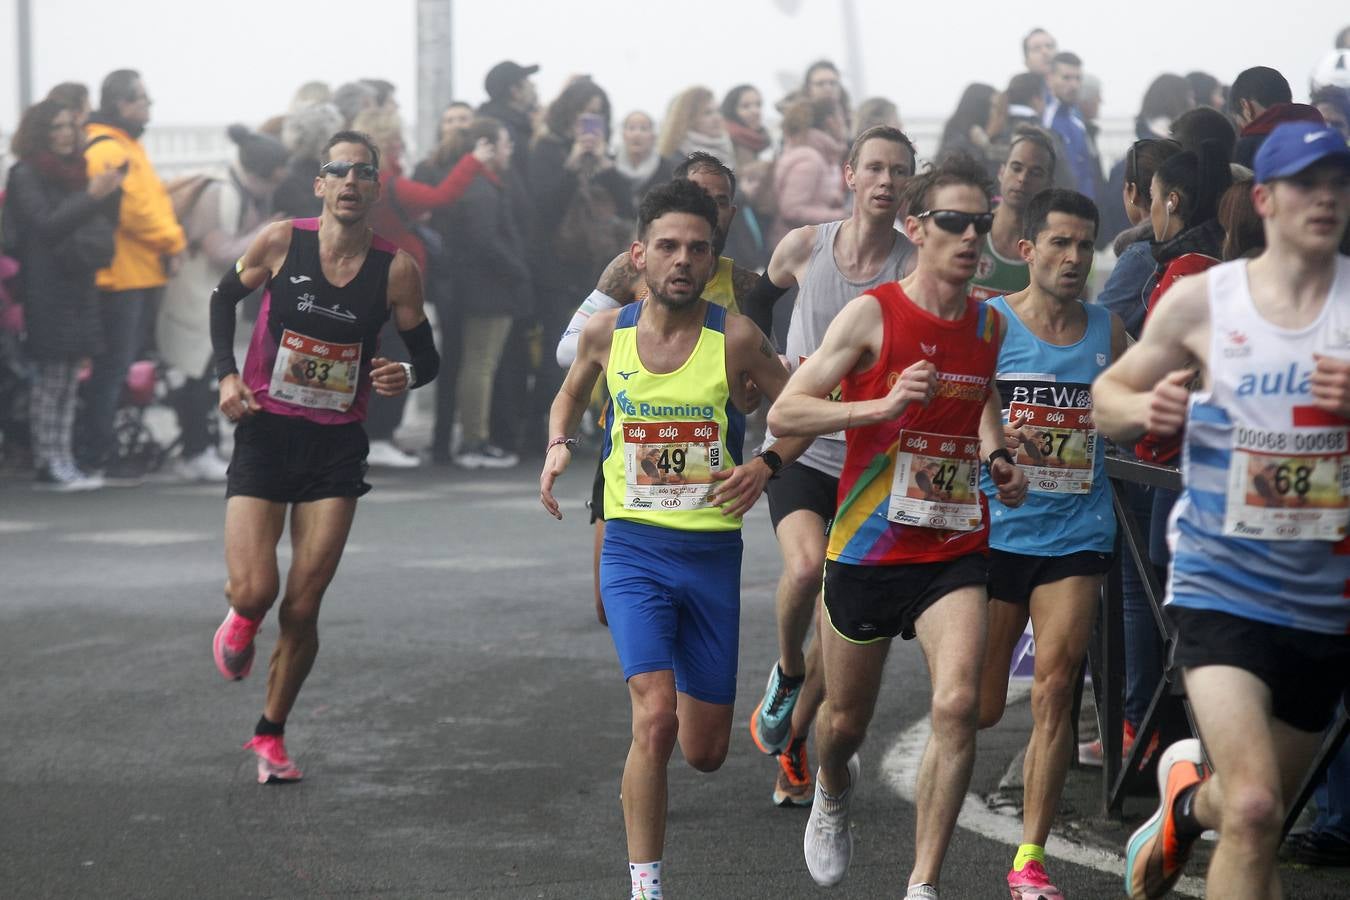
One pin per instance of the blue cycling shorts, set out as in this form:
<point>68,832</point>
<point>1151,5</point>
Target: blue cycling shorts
<point>673,600</point>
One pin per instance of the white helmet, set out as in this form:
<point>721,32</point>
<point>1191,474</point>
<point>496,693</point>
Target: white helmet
<point>1333,70</point>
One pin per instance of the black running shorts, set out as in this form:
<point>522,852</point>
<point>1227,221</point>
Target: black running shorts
<point>872,603</point>
<point>1307,672</point>
<point>286,459</point>
<point>1013,576</point>
<point>597,501</point>
<point>799,486</point>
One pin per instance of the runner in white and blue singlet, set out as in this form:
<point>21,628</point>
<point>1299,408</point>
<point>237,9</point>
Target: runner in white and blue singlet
<point>1261,557</point>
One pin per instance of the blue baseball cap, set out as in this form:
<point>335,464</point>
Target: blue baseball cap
<point>1294,146</point>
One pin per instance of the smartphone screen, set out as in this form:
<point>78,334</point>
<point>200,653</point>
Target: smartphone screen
<point>592,123</point>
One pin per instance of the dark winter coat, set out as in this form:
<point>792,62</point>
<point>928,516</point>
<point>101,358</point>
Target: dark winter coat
<point>486,245</point>
<point>1256,131</point>
<point>560,278</point>
<point>60,302</point>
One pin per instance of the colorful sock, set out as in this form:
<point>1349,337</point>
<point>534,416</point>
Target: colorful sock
<point>646,878</point>
<point>1183,814</point>
<point>267,726</point>
<point>1027,853</point>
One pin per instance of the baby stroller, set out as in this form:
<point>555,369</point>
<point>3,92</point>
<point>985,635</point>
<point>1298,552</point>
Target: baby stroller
<point>137,451</point>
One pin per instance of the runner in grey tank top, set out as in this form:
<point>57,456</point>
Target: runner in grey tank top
<point>823,292</point>
<point>830,264</point>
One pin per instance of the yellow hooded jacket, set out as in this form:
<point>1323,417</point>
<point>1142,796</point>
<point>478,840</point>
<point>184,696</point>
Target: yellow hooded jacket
<point>147,230</point>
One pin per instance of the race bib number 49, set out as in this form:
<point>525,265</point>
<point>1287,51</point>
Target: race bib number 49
<point>315,374</point>
<point>1288,486</point>
<point>1060,447</point>
<point>937,482</point>
<point>669,465</point>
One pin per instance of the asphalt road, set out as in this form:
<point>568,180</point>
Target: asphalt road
<point>462,734</point>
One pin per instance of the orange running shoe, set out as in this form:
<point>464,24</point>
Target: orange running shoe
<point>794,785</point>
<point>1156,854</point>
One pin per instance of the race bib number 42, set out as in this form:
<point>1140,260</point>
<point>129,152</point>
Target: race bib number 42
<point>1060,447</point>
<point>937,482</point>
<point>315,374</point>
<point>1288,486</point>
<point>669,465</point>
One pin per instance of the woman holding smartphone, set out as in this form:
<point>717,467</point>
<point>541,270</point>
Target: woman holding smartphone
<point>583,216</point>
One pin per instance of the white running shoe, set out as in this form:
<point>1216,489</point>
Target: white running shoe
<point>486,456</point>
<point>828,845</point>
<point>65,478</point>
<point>205,466</point>
<point>384,453</point>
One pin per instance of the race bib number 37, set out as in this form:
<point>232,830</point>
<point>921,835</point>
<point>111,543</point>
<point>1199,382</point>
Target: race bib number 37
<point>1060,447</point>
<point>669,465</point>
<point>937,482</point>
<point>315,374</point>
<point>1288,486</point>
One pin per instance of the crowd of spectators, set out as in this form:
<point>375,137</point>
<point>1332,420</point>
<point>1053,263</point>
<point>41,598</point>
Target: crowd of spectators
<point>511,216</point>
<point>518,208</point>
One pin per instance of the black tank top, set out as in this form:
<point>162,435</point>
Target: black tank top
<point>324,335</point>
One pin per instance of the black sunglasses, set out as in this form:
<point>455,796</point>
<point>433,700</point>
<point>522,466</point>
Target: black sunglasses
<point>957,222</point>
<point>340,168</point>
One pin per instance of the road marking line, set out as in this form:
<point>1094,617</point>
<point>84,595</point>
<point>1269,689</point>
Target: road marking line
<point>14,526</point>
<point>136,537</point>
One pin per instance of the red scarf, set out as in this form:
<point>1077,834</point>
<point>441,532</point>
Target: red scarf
<point>753,139</point>
<point>67,171</point>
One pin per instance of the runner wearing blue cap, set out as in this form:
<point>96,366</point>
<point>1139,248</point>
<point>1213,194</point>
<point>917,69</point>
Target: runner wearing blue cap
<point>1261,557</point>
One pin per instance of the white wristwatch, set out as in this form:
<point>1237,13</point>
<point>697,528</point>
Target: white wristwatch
<point>410,372</point>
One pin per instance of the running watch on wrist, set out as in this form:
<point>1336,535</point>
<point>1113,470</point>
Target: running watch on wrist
<point>1001,453</point>
<point>772,460</point>
<point>410,372</point>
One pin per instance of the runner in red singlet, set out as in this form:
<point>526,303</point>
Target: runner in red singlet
<point>908,549</point>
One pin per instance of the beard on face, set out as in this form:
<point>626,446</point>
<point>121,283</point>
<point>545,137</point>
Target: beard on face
<point>678,303</point>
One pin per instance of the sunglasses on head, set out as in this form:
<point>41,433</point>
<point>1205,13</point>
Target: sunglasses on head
<point>957,222</point>
<point>340,168</point>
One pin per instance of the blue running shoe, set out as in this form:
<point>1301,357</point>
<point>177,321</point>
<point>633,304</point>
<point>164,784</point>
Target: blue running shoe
<point>771,723</point>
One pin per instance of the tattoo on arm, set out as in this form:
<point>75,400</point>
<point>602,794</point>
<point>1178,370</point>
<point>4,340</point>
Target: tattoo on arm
<point>618,278</point>
<point>766,348</point>
<point>743,281</point>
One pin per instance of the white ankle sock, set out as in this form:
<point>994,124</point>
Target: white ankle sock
<point>646,878</point>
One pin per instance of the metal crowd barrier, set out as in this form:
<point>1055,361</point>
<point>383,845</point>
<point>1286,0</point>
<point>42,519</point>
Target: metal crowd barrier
<point>1169,713</point>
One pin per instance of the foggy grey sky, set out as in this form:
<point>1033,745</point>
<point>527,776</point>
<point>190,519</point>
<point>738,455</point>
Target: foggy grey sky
<point>241,60</point>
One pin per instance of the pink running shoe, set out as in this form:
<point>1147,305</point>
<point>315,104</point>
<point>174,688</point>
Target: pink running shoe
<point>1032,883</point>
<point>233,646</point>
<point>274,765</point>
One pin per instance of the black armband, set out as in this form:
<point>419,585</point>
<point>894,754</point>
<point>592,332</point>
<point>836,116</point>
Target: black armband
<point>223,299</point>
<point>422,348</point>
<point>759,304</point>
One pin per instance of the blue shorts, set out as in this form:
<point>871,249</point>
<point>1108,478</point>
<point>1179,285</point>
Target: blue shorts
<point>673,600</point>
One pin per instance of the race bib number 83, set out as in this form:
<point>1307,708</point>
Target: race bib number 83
<point>315,374</point>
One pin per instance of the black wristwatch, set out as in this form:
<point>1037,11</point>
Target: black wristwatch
<point>1001,453</point>
<point>772,460</point>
